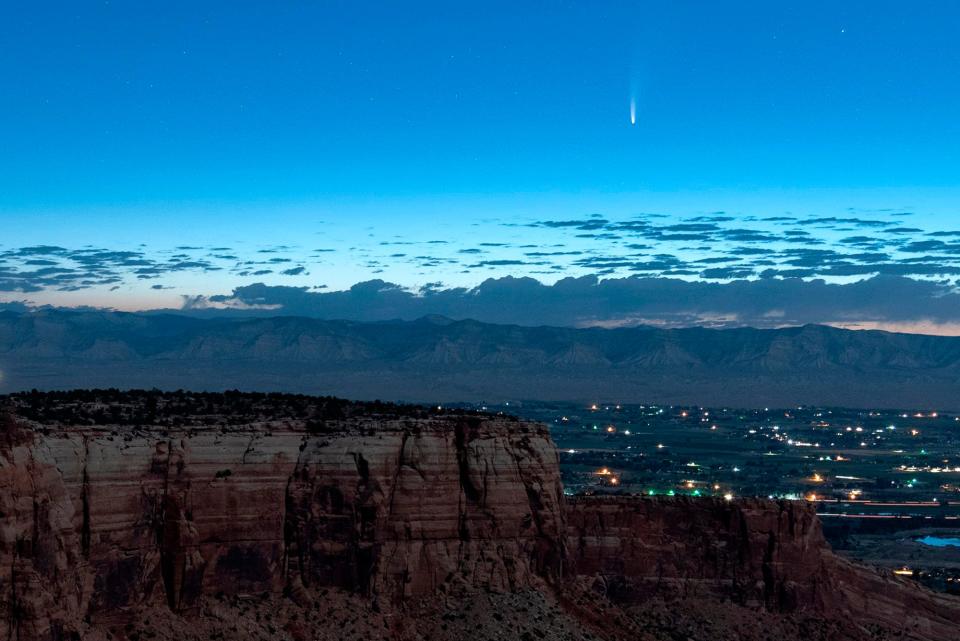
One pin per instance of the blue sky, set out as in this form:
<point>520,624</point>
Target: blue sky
<point>294,127</point>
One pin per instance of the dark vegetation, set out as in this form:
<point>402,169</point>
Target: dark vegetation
<point>180,408</point>
<point>11,434</point>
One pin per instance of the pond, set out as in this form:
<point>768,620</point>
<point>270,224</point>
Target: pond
<point>939,541</point>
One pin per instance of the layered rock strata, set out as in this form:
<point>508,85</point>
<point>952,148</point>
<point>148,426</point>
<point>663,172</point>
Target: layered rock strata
<point>98,520</point>
<point>190,516</point>
<point>756,553</point>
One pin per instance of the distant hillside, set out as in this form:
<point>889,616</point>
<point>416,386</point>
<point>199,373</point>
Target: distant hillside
<point>437,359</point>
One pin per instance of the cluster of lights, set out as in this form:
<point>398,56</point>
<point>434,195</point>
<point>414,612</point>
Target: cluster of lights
<point>777,433</point>
<point>610,477</point>
<point>921,415</point>
<point>936,469</point>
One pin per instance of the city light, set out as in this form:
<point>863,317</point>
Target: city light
<point>662,455</point>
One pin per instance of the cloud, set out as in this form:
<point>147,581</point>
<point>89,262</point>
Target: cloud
<point>748,236</point>
<point>769,301</point>
<point>724,273</point>
<point>294,271</point>
<point>928,246</point>
<point>49,267</point>
<point>834,221</point>
<point>719,217</point>
<point>681,227</point>
<point>499,263</point>
<point>903,230</point>
<point>714,260</point>
<point>557,253</point>
<point>714,249</point>
<point>588,224</point>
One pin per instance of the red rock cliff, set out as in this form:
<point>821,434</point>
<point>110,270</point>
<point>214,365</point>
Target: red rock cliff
<point>753,552</point>
<point>96,521</point>
<point>103,527</point>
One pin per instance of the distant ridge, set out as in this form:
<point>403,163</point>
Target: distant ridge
<point>439,359</point>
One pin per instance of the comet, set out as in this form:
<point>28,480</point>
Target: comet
<point>633,110</point>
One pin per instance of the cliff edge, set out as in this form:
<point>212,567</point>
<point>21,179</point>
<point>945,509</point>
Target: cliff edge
<point>148,515</point>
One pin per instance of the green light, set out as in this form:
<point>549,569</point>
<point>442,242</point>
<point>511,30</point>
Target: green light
<point>652,492</point>
<point>671,493</point>
<point>696,493</point>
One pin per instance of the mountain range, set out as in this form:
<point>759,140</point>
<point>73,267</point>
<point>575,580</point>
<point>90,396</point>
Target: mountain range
<point>436,359</point>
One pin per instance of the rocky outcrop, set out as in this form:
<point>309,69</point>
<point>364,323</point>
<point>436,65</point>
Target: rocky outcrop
<point>185,516</point>
<point>97,521</point>
<point>758,552</point>
<point>755,553</point>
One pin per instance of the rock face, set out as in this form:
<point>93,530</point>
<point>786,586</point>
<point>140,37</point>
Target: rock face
<point>97,521</point>
<point>757,552</point>
<point>753,552</point>
<point>118,512</point>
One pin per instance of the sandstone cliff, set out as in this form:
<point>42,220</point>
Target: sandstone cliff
<point>761,554</point>
<point>198,516</point>
<point>757,552</point>
<point>101,519</point>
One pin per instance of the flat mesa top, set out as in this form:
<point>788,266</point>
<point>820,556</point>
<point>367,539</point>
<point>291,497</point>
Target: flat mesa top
<point>209,409</point>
